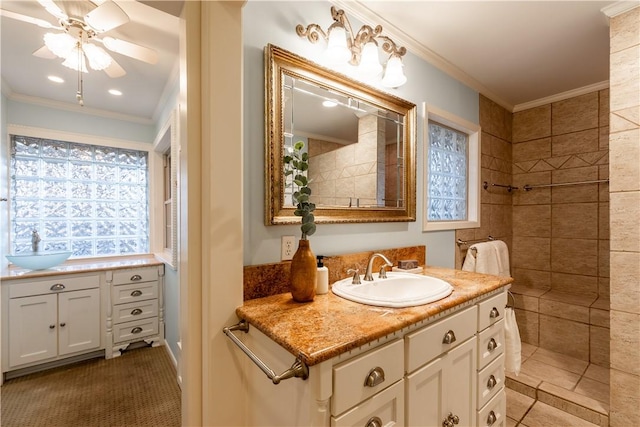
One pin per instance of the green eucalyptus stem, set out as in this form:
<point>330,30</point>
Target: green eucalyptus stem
<point>296,165</point>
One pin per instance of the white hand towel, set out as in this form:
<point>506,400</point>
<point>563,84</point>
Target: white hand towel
<point>512,348</point>
<point>484,259</point>
<point>469,263</point>
<point>502,256</point>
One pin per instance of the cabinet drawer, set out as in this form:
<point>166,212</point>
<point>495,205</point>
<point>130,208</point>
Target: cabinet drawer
<point>387,406</point>
<point>490,343</point>
<point>494,413</point>
<point>53,285</point>
<point>350,377</point>
<point>135,292</point>
<point>136,329</point>
<point>137,275</point>
<point>491,310</point>
<point>429,342</point>
<point>490,381</point>
<point>135,310</point>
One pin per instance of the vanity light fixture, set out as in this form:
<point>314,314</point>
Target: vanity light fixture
<point>358,49</point>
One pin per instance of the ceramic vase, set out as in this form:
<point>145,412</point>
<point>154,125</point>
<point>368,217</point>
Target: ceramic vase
<point>303,273</point>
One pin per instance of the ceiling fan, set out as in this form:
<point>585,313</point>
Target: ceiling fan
<point>77,39</point>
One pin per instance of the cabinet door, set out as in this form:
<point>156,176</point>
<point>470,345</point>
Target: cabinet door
<point>446,385</point>
<point>78,321</point>
<point>32,329</point>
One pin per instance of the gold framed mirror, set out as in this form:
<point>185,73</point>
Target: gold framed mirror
<point>360,144</point>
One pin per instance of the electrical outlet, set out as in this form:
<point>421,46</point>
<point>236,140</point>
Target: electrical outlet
<point>288,247</point>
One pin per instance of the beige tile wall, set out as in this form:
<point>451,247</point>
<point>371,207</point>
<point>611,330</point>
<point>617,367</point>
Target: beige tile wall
<point>561,234</point>
<point>624,146</point>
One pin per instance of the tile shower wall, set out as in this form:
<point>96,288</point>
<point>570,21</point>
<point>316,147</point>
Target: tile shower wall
<point>496,210</point>
<point>624,195</point>
<point>560,247</point>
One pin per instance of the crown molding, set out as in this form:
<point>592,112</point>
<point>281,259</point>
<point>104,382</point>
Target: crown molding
<point>562,96</point>
<point>619,7</point>
<point>65,106</point>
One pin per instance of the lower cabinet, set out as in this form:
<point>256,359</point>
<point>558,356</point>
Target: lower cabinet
<point>47,320</point>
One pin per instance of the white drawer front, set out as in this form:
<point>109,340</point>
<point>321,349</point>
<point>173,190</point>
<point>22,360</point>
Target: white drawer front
<point>53,285</point>
<point>135,275</point>
<point>490,381</point>
<point>388,406</point>
<point>494,413</point>
<point>135,292</point>
<point>429,342</point>
<point>134,330</point>
<point>135,310</point>
<point>491,310</point>
<point>350,377</point>
<point>490,344</point>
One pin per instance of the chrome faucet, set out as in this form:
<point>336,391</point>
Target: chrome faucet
<point>35,240</point>
<point>383,275</point>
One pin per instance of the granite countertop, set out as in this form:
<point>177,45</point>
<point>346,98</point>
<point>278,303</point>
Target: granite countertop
<point>331,325</point>
<point>80,266</point>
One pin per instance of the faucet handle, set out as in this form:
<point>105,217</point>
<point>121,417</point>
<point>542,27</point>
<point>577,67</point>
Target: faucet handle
<point>383,272</point>
<point>356,275</point>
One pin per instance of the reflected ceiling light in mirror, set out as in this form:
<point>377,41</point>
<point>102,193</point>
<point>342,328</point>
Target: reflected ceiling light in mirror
<point>358,49</point>
<point>329,103</point>
<point>115,92</point>
<point>55,79</point>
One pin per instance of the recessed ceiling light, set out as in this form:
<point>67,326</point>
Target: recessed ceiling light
<point>56,79</point>
<point>115,92</point>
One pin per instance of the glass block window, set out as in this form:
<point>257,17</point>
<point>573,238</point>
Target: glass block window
<point>91,200</point>
<point>447,185</point>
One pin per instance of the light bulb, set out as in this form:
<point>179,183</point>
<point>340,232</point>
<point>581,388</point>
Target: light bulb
<point>60,44</point>
<point>337,52</point>
<point>369,67</point>
<point>98,58</point>
<point>393,75</point>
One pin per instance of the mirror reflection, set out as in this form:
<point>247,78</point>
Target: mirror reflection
<point>359,141</point>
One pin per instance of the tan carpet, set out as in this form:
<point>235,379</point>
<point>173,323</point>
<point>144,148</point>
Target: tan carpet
<point>138,388</point>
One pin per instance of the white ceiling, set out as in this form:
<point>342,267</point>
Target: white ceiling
<point>515,52</point>
<point>144,87</point>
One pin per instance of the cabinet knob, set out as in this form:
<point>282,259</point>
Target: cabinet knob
<point>136,330</point>
<point>63,324</point>
<point>492,345</point>
<point>375,377</point>
<point>451,420</point>
<point>449,337</point>
<point>491,419</point>
<point>491,383</point>
<point>136,293</point>
<point>52,326</point>
<point>136,278</point>
<point>136,311</point>
<point>494,313</point>
<point>57,287</point>
<point>374,422</point>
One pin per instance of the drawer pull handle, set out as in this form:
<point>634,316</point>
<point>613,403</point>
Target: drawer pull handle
<point>136,330</point>
<point>491,383</point>
<point>491,419</point>
<point>136,278</point>
<point>57,287</point>
<point>494,313</point>
<point>492,345</point>
<point>63,324</point>
<point>136,293</point>
<point>375,377</point>
<point>136,311</point>
<point>449,337</point>
<point>451,420</point>
<point>52,326</point>
<point>374,422</point>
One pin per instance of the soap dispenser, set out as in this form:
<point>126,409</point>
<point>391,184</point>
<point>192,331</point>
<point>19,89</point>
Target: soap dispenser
<point>322,278</point>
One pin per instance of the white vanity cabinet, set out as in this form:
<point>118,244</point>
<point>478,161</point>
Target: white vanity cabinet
<point>427,374</point>
<point>135,308</point>
<point>47,319</point>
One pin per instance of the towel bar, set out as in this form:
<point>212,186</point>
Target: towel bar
<point>461,242</point>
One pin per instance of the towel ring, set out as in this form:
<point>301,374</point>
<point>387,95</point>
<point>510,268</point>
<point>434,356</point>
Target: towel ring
<point>512,298</point>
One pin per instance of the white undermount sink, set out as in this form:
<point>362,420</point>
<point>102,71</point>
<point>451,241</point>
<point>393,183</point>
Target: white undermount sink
<point>38,260</point>
<point>397,290</point>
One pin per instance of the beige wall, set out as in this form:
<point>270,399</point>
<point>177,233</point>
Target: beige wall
<point>624,152</point>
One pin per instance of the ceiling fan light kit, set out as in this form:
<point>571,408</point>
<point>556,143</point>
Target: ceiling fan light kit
<point>75,44</point>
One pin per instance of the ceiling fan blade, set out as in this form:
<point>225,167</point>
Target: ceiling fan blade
<point>132,50</point>
<point>114,70</point>
<point>24,18</point>
<point>45,53</point>
<point>106,17</point>
<point>53,9</point>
